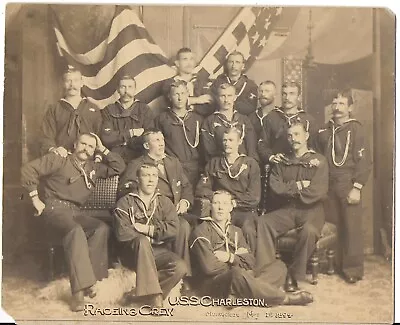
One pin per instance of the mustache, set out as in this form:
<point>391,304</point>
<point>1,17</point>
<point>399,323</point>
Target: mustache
<point>84,151</point>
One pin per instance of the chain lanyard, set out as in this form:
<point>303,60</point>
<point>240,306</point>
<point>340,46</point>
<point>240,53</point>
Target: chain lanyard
<point>88,185</point>
<point>242,168</point>
<point>197,134</point>
<point>149,217</point>
<point>346,150</point>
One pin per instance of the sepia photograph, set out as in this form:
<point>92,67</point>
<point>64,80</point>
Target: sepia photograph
<point>197,163</point>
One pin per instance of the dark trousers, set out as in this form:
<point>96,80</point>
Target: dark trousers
<point>157,269</point>
<point>348,219</point>
<point>309,222</point>
<point>181,244</point>
<point>247,221</point>
<point>244,284</point>
<point>85,242</point>
<point>192,171</point>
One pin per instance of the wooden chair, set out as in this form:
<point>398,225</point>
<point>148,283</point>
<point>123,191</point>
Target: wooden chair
<point>324,251</point>
<point>99,205</point>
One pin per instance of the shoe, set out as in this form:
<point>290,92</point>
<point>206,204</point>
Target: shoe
<point>77,302</point>
<point>291,284</point>
<point>89,292</point>
<point>186,289</point>
<point>350,279</point>
<point>299,298</point>
<point>156,301</point>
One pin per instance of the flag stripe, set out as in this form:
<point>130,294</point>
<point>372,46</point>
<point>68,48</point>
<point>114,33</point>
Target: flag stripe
<point>119,23</point>
<point>100,78</point>
<point>144,79</point>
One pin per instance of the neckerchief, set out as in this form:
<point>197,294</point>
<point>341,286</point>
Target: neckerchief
<point>74,117</point>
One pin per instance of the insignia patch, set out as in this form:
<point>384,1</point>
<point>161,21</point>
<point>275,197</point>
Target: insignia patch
<point>360,152</point>
<point>178,183</point>
<point>204,179</point>
<point>107,129</point>
<point>252,96</point>
<point>314,162</point>
<point>92,110</point>
<point>217,124</point>
<point>321,130</point>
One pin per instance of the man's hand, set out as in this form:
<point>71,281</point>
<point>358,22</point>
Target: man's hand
<point>99,145</point>
<point>182,207</point>
<point>302,184</point>
<point>203,99</point>
<point>354,196</point>
<point>136,132</point>
<point>38,205</point>
<point>222,256</point>
<point>143,229</point>
<point>277,158</point>
<point>61,151</point>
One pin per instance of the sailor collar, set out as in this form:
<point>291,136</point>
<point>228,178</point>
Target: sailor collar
<point>192,79</point>
<point>228,166</point>
<point>238,93</point>
<point>68,102</point>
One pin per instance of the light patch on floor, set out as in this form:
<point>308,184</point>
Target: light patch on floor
<point>368,301</point>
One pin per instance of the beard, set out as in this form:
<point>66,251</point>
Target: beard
<point>266,101</point>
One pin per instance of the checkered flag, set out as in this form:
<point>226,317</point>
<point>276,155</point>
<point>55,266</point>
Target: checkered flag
<point>248,33</point>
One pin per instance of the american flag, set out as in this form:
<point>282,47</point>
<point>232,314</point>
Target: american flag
<point>129,49</point>
<point>249,32</point>
<point>126,49</point>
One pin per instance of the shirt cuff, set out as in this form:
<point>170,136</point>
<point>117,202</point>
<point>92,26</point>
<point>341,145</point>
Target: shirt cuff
<point>231,258</point>
<point>187,202</point>
<point>33,193</point>
<point>151,231</point>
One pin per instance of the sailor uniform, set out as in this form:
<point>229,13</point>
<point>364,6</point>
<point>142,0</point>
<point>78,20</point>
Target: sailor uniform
<point>214,127</point>
<point>66,186</point>
<point>173,184</point>
<point>347,150</point>
<point>257,118</point>
<point>117,122</point>
<point>242,180</point>
<point>235,277</point>
<point>182,140</point>
<point>274,138</point>
<point>196,87</point>
<point>157,268</point>
<point>63,124</point>
<point>302,209</point>
<point>246,91</point>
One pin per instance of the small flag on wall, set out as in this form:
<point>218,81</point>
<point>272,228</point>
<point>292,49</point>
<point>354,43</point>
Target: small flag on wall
<point>249,33</point>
